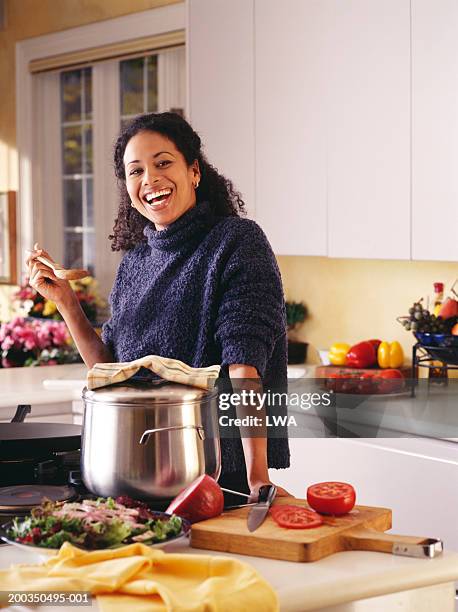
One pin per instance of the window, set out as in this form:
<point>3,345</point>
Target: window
<point>138,79</point>
<point>77,192</point>
<point>81,111</point>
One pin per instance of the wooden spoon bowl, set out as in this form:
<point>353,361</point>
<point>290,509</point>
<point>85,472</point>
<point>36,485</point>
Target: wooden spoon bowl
<point>63,273</point>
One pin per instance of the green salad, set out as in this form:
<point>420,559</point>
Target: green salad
<point>94,524</point>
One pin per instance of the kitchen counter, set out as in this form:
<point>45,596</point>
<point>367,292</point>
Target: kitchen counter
<point>344,582</point>
<point>25,386</point>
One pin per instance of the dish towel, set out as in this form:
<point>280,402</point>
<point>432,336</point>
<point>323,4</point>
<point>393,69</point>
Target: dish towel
<point>138,578</point>
<point>103,374</point>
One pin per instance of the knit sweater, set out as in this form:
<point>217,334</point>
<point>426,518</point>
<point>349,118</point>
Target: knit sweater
<point>205,290</point>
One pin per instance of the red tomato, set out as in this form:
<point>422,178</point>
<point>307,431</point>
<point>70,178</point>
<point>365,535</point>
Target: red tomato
<point>366,384</point>
<point>389,381</point>
<point>202,500</point>
<point>331,497</point>
<point>295,517</point>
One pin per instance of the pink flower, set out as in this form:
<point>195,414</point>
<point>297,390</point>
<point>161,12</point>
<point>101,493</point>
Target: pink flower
<point>33,336</point>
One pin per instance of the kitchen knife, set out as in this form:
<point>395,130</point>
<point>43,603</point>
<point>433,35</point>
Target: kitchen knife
<point>258,512</point>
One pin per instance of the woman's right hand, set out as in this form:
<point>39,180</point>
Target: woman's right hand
<point>43,279</point>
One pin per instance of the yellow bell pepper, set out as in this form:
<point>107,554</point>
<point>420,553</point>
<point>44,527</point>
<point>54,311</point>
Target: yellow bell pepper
<point>390,355</point>
<point>338,353</point>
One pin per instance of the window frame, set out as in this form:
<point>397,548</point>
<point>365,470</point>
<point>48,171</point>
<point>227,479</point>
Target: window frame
<point>137,25</point>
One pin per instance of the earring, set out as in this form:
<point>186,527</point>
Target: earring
<point>196,184</point>
<point>132,205</point>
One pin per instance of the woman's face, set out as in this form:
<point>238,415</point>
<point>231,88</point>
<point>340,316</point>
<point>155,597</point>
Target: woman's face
<point>160,184</point>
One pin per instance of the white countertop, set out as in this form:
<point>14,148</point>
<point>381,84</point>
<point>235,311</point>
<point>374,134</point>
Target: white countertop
<point>25,385</point>
<point>62,383</point>
<point>340,578</point>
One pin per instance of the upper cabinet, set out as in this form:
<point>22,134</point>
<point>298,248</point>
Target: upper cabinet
<point>337,119</point>
<point>435,130</point>
<point>290,122</point>
<point>368,128</point>
<point>220,82</point>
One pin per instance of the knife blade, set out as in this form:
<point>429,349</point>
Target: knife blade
<point>259,511</point>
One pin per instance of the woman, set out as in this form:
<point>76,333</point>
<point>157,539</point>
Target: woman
<point>197,282</point>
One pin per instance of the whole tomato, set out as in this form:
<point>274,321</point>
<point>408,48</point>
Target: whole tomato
<point>390,381</point>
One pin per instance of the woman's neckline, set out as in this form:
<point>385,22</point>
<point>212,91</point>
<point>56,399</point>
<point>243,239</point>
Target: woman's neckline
<point>194,223</point>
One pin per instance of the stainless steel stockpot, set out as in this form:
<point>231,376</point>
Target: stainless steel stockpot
<point>148,440</point>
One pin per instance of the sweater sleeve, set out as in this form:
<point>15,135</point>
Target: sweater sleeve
<point>251,314</point>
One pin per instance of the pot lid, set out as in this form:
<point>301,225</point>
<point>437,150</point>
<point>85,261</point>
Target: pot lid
<point>151,392</point>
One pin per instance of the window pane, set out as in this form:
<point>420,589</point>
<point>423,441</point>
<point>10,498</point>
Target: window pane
<point>87,77</point>
<point>132,86</point>
<point>73,250</point>
<point>73,202</point>
<point>89,201</point>
<point>73,162</point>
<point>89,251</point>
<point>88,148</point>
<point>71,95</point>
<point>152,83</point>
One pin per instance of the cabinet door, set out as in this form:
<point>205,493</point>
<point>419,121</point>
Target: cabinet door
<point>369,129</point>
<point>290,124</point>
<point>434,129</point>
<point>220,82</point>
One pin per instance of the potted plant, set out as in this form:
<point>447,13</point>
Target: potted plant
<point>296,313</point>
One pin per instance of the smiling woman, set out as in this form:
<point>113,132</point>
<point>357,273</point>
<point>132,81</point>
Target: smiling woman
<point>196,283</point>
<point>159,182</point>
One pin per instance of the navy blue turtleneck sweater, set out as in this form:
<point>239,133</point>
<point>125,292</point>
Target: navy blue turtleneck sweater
<point>205,290</point>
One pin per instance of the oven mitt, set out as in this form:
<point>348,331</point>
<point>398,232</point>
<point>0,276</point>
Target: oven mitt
<point>103,374</point>
<point>139,578</point>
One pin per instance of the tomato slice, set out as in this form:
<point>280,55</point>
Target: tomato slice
<point>295,517</point>
<point>331,497</point>
<point>202,499</point>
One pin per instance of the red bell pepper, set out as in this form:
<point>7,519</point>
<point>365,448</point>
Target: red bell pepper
<point>361,355</point>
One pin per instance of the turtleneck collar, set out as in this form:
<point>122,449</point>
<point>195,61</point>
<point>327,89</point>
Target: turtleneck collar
<point>190,227</point>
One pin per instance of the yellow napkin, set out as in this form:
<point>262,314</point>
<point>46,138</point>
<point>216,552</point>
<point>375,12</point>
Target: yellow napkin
<point>138,578</point>
<point>103,374</point>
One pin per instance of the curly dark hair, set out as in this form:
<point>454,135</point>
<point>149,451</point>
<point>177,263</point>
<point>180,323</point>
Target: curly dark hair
<point>215,188</point>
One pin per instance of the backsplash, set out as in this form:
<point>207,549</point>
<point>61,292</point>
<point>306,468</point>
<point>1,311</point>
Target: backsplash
<point>353,299</point>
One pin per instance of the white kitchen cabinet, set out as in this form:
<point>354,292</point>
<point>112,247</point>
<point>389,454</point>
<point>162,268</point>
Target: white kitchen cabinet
<point>368,109</point>
<point>336,120</point>
<point>416,478</point>
<point>220,82</point>
<point>434,129</point>
<point>290,45</point>
<point>332,119</point>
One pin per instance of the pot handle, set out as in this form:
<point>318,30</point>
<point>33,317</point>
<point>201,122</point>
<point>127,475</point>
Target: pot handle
<point>146,434</point>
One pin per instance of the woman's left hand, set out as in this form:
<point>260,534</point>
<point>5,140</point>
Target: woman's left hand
<point>254,492</point>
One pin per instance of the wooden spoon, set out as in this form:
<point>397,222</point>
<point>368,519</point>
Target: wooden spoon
<point>63,273</point>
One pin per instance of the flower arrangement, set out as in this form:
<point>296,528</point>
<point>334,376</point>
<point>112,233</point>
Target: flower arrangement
<point>28,342</point>
<point>29,303</point>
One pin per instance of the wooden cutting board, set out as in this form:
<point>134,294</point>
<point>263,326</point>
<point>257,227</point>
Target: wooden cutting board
<point>361,529</point>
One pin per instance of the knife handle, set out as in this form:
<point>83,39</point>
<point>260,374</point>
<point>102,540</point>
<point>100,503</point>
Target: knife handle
<point>267,494</point>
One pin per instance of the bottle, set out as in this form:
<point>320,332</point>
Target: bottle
<point>438,297</point>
